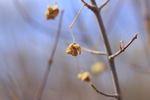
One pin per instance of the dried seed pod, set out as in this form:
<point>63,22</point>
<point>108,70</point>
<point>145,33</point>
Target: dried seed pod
<point>73,49</point>
<point>97,67</point>
<point>84,76</point>
<point>52,12</point>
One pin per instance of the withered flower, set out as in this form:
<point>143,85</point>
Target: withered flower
<point>52,12</point>
<point>73,49</point>
<point>84,76</point>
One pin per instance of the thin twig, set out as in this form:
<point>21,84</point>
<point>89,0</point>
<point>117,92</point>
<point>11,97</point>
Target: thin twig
<point>94,51</point>
<point>87,5</point>
<point>71,25</point>
<point>108,48</point>
<point>123,49</point>
<point>103,5</point>
<point>44,81</point>
<point>102,93</point>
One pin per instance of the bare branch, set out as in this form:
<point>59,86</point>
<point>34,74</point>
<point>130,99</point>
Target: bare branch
<point>93,51</point>
<point>103,5</point>
<point>124,48</point>
<point>71,25</point>
<point>102,93</point>
<point>41,88</point>
<point>109,51</point>
<point>89,6</point>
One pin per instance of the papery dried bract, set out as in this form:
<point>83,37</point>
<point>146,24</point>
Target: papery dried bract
<point>51,12</point>
<point>73,49</point>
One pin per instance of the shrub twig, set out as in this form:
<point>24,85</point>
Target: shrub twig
<point>93,51</point>
<point>108,48</point>
<point>102,93</point>
<point>45,78</point>
<point>71,25</point>
<point>124,48</point>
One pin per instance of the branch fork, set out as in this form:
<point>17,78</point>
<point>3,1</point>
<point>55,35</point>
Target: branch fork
<point>102,93</point>
<point>123,47</point>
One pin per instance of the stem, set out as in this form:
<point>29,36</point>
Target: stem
<point>109,52</point>
<point>102,93</point>
<point>71,25</point>
<point>93,51</point>
<point>124,48</point>
<point>45,78</point>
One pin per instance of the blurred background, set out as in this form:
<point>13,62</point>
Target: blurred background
<point>26,41</point>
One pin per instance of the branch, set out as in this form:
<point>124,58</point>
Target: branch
<point>45,78</point>
<point>103,5</point>
<point>71,25</point>
<point>88,6</point>
<point>93,51</point>
<point>102,93</point>
<point>122,49</point>
<point>109,51</point>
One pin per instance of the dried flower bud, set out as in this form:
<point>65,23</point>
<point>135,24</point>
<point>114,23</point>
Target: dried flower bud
<point>97,67</point>
<point>52,12</point>
<point>84,76</point>
<point>73,49</point>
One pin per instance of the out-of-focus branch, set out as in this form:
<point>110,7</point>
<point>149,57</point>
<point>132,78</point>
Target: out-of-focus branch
<point>102,93</point>
<point>93,51</point>
<point>146,13</point>
<point>114,15</point>
<point>32,22</point>
<point>123,48</point>
<point>41,88</point>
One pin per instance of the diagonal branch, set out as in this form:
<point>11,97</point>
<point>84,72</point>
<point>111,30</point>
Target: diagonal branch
<point>74,20</point>
<point>103,5</point>
<point>102,93</point>
<point>89,6</point>
<point>124,48</point>
<point>94,51</point>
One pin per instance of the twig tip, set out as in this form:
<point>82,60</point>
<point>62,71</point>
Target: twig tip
<point>136,36</point>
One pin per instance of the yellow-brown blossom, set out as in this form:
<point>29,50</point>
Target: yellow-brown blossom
<point>52,12</point>
<point>73,49</point>
<point>84,76</point>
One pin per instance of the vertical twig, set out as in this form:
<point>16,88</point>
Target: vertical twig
<point>96,11</point>
<point>109,52</point>
<point>71,25</point>
<point>45,78</point>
